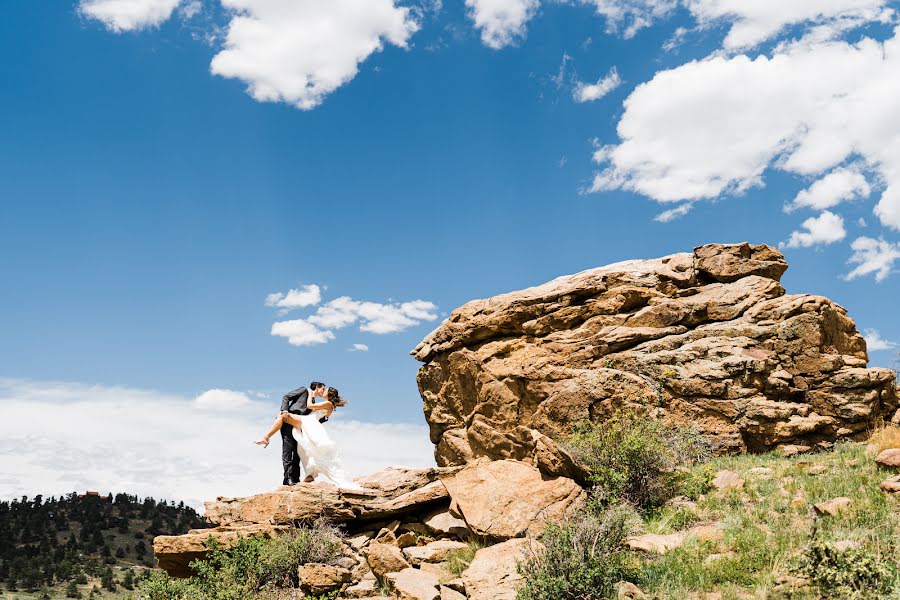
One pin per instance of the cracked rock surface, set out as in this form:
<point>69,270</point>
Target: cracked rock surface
<point>708,338</point>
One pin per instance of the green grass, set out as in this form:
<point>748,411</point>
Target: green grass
<point>769,523</point>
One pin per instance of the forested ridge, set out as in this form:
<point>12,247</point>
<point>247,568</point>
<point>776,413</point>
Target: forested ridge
<point>83,545</point>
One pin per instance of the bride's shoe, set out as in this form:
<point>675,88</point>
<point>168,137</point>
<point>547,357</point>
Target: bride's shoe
<point>264,443</point>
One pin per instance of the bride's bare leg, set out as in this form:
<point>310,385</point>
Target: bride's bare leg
<point>276,426</point>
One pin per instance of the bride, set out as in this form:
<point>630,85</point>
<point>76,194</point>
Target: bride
<point>313,442</point>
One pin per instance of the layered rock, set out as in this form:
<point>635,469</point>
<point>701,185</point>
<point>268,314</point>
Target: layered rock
<point>708,338</point>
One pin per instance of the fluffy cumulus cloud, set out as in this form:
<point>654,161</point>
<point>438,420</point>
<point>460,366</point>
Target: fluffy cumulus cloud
<point>715,126</point>
<point>299,51</point>
<point>873,257</point>
<point>501,22</point>
<point>220,399</point>
<point>838,186</point>
<point>372,317</point>
<point>754,22</point>
<point>875,343</point>
<point>148,443</point>
<point>128,15</point>
<point>588,92</point>
<point>307,295</point>
<point>827,228</point>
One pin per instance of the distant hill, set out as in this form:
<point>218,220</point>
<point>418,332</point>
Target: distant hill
<point>83,545</point>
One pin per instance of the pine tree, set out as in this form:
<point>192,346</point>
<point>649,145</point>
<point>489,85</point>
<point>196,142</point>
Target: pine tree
<point>128,581</point>
<point>72,590</point>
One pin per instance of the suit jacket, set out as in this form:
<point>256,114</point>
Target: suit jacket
<point>295,401</point>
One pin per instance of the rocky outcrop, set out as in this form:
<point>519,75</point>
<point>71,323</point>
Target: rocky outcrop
<point>708,338</point>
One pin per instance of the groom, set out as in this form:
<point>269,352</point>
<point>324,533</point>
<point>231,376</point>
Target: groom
<point>295,402</point>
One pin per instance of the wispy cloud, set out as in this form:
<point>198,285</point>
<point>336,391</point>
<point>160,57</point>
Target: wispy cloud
<point>359,348</point>
<point>588,92</point>
<point>873,257</point>
<point>875,343</point>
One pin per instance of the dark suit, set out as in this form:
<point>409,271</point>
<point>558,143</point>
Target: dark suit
<point>295,403</point>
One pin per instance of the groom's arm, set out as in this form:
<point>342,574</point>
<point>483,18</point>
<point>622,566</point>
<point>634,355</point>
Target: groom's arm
<point>290,397</point>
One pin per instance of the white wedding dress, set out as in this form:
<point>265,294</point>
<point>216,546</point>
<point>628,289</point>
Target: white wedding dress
<point>319,454</point>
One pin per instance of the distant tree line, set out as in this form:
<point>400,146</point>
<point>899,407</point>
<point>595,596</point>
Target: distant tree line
<point>63,541</point>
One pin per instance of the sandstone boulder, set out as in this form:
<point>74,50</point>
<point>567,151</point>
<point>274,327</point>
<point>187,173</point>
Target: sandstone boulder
<point>707,338</point>
<point>413,584</point>
<point>505,499</point>
<point>384,558</point>
<point>174,553</point>
<point>889,458</point>
<point>434,552</point>
<point>317,578</point>
<point>493,573</point>
<point>834,506</point>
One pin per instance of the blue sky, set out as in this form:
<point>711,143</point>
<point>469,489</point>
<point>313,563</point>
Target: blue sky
<point>151,203</point>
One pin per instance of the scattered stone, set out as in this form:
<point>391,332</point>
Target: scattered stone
<point>798,501</point>
<point>493,573</point>
<point>760,471</point>
<point>788,583</point>
<point>384,558</point>
<point>442,522</point>
<point>625,590</point>
<point>386,536</point>
<point>439,570</point>
<point>450,594</point>
<point>793,449</point>
<point>711,532</point>
<point>318,578</point>
<point>505,499</point>
<point>717,556</point>
<point>656,543</point>
<point>413,584</point>
<point>457,584</point>
<point>834,506</point>
<point>361,539</point>
<point>891,484</point>
<point>407,539</point>
<point>727,480</point>
<point>364,589</point>
<point>816,470</point>
<point>889,458</point>
<point>433,552</point>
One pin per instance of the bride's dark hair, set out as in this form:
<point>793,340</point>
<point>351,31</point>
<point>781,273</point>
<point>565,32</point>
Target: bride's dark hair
<point>334,397</point>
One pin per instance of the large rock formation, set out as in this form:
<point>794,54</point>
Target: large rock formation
<point>708,338</point>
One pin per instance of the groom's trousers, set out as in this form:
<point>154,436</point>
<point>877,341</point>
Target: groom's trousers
<point>290,458</point>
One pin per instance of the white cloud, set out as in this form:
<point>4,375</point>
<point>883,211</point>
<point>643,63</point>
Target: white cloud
<point>62,437</point>
<point>588,92</point>
<point>829,191</point>
<point>359,348</point>
<point>501,22</point>
<point>827,228</point>
<point>674,213</point>
<point>299,51</point>
<point>873,257</point>
<point>756,21</point>
<point>221,399</point>
<point>128,15</point>
<point>875,343</point>
<point>300,332</point>
<point>630,16</point>
<point>308,295</point>
<point>373,317</point>
<point>191,9</point>
<point>714,126</point>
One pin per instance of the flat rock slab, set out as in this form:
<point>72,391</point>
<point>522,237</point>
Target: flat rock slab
<point>433,552</point>
<point>833,507</point>
<point>891,484</point>
<point>506,498</point>
<point>442,522</point>
<point>493,573</point>
<point>175,552</point>
<point>727,480</point>
<point>662,543</point>
<point>318,578</point>
<point>413,584</point>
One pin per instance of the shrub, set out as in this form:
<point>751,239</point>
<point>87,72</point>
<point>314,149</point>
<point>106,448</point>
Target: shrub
<point>852,573</point>
<point>250,567</point>
<point>459,560</point>
<point>885,436</point>
<point>581,559</point>
<point>634,457</point>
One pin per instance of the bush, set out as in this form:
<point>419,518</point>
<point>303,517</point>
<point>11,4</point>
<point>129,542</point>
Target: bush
<point>250,567</point>
<point>852,573</point>
<point>581,559</point>
<point>633,457</point>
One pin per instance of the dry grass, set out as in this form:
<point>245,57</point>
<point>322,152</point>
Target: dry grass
<point>885,436</point>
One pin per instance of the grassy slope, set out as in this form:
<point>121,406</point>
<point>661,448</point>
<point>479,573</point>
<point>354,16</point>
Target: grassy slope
<point>770,520</point>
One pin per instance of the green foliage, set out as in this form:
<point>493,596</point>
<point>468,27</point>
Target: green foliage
<point>459,560</point>
<point>581,559</point>
<point>852,573</point>
<point>633,457</point>
<point>251,567</point>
